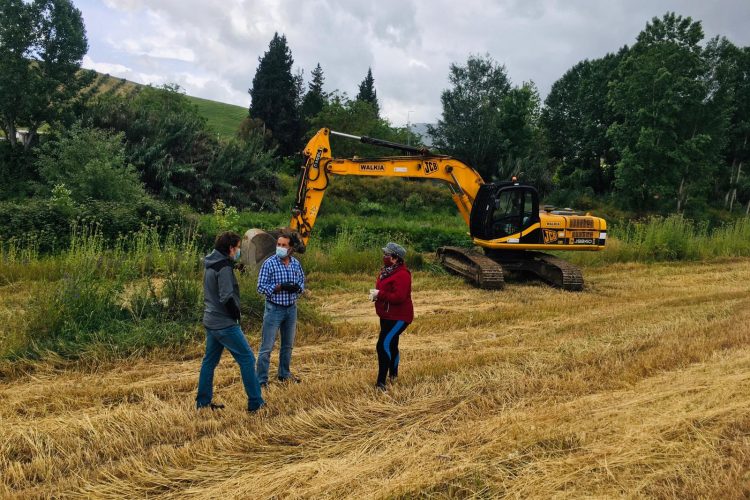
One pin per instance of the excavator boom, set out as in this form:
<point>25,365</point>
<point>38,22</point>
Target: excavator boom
<point>320,166</point>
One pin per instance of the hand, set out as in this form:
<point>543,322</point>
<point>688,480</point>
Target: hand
<point>290,287</point>
<point>374,295</point>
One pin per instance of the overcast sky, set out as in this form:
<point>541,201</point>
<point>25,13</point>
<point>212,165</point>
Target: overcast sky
<point>211,48</point>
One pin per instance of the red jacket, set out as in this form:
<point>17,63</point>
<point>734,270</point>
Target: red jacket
<point>394,297</point>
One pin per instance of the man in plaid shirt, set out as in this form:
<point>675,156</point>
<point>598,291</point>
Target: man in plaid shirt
<point>282,281</point>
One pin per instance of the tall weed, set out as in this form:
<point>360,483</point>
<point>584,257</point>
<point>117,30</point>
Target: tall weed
<point>670,238</point>
<point>103,292</point>
<point>355,249</point>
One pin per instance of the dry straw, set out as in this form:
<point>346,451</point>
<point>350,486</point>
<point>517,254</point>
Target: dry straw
<point>637,387</point>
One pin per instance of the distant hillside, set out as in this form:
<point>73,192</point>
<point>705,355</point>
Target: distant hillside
<point>222,118</point>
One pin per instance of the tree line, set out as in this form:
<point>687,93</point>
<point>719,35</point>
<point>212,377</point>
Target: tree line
<point>657,127</point>
<point>660,126</point>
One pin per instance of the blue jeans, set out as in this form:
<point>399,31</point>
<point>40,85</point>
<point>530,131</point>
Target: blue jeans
<point>234,340</point>
<point>277,318</point>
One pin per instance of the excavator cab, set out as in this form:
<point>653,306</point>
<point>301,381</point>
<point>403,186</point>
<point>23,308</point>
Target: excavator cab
<point>503,209</point>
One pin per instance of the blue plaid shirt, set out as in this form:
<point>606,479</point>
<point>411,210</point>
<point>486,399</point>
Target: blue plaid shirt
<point>273,272</point>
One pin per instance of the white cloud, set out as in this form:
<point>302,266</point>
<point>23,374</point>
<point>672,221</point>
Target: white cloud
<point>212,48</point>
<point>413,63</point>
<point>106,68</point>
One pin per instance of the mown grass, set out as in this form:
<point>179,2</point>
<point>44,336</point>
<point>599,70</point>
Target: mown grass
<point>223,119</point>
<point>525,393</point>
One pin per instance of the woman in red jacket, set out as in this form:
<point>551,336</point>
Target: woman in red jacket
<point>392,297</point>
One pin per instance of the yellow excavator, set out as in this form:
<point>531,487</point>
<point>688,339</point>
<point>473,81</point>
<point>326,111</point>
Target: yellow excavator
<point>504,218</point>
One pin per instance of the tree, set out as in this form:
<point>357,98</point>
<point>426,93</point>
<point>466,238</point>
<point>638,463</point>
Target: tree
<point>178,158</point>
<point>16,36</point>
<point>669,135</point>
<point>575,119</point>
<point>316,97</point>
<point>523,142</point>
<point>41,48</point>
<point>275,95</point>
<point>468,127</point>
<point>91,164</point>
<point>242,173</point>
<point>367,92</point>
<point>358,118</point>
<point>729,80</point>
<point>167,139</point>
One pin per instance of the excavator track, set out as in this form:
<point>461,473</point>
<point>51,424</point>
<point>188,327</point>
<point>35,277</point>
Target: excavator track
<point>555,271</point>
<point>479,269</point>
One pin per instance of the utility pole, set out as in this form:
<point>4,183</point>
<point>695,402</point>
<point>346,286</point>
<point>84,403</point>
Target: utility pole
<point>408,127</point>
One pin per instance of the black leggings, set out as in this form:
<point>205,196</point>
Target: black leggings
<point>387,347</point>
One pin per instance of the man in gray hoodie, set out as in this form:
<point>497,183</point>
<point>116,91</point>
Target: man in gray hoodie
<point>221,317</point>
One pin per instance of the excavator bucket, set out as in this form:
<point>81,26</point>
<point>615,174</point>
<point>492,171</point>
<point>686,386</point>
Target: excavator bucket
<point>257,245</point>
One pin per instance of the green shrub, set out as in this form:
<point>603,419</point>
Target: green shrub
<point>352,250</point>
<point>420,234</point>
<point>17,171</point>
<point>91,164</point>
<point>395,195</point>
<point>365,207</point>
<point>48,223</point>
<point>103,288</point>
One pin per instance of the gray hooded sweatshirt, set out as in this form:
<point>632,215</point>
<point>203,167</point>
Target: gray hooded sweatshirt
<point>221,292</point>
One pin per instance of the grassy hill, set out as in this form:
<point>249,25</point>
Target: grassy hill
<point>222,118</point>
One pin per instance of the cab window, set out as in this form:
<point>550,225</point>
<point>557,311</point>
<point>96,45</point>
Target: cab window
<point>507,217</point>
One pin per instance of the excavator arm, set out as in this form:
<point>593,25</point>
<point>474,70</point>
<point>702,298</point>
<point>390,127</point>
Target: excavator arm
<point>319,166</point>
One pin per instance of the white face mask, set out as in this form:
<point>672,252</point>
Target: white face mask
<point>281,252</point>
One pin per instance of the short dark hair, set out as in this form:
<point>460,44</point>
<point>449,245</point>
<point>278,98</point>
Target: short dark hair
<point>226,240</point>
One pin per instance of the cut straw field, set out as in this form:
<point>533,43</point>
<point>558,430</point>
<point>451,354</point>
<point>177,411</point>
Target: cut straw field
<point>638,387</point>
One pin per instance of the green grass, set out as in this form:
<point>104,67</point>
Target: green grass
<point>223,119</point>
<point>672,238</point>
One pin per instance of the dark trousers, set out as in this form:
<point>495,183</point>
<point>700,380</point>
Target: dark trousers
<point>387,348</point>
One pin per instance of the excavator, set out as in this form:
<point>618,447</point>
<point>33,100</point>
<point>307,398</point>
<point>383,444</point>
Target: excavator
<point>504,218</point>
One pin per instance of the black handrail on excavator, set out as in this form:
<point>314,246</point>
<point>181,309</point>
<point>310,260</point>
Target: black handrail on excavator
<point>421,150</point>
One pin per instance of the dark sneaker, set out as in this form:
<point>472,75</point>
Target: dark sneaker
<point>292,378</point>
<point>380,387</point>
<point>212,406</point>
<point>256,410</point>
